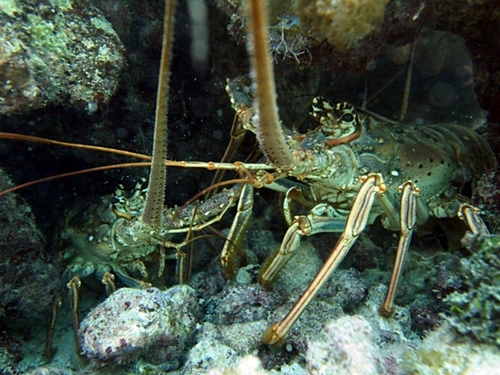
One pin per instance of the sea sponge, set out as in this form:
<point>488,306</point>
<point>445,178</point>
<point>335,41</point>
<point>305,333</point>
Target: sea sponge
<point>341,22</point>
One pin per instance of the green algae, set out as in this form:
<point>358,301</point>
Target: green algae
<point>9,7</point>
<point>48,35</point>
<point>56,52</point>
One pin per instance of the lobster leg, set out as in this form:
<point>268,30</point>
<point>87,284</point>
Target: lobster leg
<point>408,219</point>
<point>129,280</point>
<point>356,222</point>
<point>470,215</point>
<point>229,254</point>
<point>108,279</point>
<point>73,285</point>
<point>411,210</point>
<point>302,226</point>
<point>49,350</point>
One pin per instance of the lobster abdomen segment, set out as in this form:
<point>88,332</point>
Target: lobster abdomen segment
<point>435,157</point>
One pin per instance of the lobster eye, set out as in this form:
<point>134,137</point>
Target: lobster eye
<point>347,117</point>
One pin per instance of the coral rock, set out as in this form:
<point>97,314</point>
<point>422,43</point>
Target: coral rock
<point>56,52</point>
<point>345,346</point>
<point>135,323</point>
<point>476,311</point>
<point>28,275</point>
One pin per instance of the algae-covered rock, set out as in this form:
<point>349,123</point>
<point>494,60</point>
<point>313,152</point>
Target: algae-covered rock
<point>56,52</point>
<point>148,323</point>
<point>476,311</point>
<point>444,352</point>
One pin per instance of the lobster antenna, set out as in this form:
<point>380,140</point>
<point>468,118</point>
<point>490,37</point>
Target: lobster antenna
<point>155,196</point>
<point>269,133</point>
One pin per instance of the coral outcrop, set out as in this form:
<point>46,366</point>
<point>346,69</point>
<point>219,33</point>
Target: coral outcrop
<point>29,276</point>
<point>55,52</point>
<point>132,323</point>
<point>475,311</point>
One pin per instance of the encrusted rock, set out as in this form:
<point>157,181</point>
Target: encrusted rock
<point>56,52</point>
<point>146,323</point>
<point>28,275</point>
<point>345,346</point>
<point>475,311</point>
<point>242,303</point>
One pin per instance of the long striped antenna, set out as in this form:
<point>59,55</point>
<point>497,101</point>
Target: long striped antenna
<point>155,196</point>
<point>269,133</point>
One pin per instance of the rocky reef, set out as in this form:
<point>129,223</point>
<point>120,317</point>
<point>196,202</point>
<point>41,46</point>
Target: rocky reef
<point>86,72</point>
<point>475,309</point>
<point>29,276</point>
<point>134,323</point>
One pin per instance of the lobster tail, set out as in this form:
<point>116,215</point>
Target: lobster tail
<point>471,152</point>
